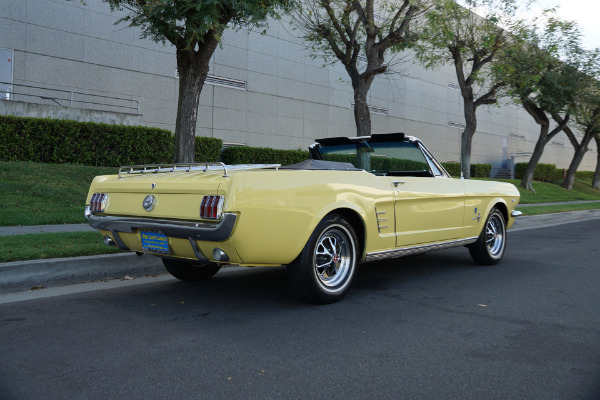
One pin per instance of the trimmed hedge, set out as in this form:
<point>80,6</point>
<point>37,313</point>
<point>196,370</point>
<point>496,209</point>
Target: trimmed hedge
<point>380,163</point>
<point>207,149</point>
<point>477,170</point>
<point>584,174</point>
<point>481,170</point>
<point>262,155</point>
<point>453,168</point>
<point>543,172</point>
<point>58,141</point>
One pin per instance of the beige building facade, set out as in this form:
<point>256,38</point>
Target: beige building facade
<point>263,90</point>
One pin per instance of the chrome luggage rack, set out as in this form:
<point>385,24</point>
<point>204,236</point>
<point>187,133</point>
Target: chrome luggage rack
<point>189,167</point>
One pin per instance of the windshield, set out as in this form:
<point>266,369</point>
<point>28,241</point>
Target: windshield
<point>378,157</point>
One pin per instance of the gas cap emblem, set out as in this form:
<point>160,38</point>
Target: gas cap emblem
<point>149,203</point>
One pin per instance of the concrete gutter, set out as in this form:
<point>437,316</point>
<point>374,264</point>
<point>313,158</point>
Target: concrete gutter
<point>24,275</point>
<point>546,220</point>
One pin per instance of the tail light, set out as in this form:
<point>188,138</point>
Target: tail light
<point>98,202</point>
<point>211,207</point>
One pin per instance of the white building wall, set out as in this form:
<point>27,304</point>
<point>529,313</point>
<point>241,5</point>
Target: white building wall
<point>290,98</point>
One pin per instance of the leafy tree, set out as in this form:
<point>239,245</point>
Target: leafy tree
<point>596,178</point>
<point>587,111</point>
<point>195,28</point>
<point>537,78</point>
<point>455,34</point>
<point>358,34</point>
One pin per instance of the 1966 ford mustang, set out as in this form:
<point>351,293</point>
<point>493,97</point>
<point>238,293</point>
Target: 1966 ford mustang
<point>357,199</point>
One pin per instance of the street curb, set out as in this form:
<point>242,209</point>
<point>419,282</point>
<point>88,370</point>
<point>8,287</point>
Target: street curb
<point>23,275</point>
<point>546,220</point>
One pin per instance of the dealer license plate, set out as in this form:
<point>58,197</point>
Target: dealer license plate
<point>155,242</point>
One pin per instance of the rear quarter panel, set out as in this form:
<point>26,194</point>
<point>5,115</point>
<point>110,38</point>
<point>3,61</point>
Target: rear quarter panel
<point>280,210</point>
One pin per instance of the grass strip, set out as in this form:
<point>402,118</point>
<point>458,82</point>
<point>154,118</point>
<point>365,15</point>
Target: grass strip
<point>551,192</point>
<point>549,209</point>
<point>42,194</point>
<point>52,245</point>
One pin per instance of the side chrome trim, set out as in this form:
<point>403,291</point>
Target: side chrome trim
<point>516,214</point>
<point>407,251</point>
<point>217,232</point>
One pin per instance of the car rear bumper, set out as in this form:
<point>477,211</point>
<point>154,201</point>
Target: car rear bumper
<point>213,232</point>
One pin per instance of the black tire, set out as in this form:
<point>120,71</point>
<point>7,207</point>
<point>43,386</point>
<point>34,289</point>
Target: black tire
<point>190,272</point>
<point>319,276</point>
<point>489,247</point>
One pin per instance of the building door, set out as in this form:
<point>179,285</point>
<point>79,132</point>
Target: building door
<point>6,74</point>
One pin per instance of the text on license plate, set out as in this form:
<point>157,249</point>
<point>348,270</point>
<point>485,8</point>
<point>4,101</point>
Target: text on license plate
<point>155,242</point>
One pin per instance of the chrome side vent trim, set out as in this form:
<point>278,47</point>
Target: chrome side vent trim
<point>380,220</point>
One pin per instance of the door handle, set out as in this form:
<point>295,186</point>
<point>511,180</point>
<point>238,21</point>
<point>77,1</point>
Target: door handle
<point>398,183</point>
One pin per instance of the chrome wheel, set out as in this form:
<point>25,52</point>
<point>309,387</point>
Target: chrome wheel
<point>333,258</point>
<point>325,269</point>
<point>489,247</point>
<point>494,235</point>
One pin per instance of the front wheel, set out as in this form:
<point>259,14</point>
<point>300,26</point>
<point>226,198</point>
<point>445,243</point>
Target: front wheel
<point>325,269</point>
<point>489,247</point>
<point>190,272</point>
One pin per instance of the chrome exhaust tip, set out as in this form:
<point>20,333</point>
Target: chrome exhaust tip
<point>220,255</point>
<point>108,241</point>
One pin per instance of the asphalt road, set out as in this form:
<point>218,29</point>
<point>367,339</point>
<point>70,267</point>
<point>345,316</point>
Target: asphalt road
<point>427,327</point>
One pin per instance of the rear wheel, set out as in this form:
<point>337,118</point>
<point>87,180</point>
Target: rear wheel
<point>489,247</point>
<point>325,269</point>
<point>190,272</point>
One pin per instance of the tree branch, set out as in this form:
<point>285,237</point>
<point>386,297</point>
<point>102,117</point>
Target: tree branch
<point>562,125</point>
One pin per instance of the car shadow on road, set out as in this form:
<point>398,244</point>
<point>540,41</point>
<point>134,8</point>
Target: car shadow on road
<point>268,287</point>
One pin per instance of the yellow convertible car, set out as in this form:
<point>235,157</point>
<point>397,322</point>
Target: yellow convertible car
<point>357,199</point>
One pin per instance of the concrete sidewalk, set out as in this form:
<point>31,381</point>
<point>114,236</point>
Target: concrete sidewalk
<point>22,230</point>
<point>23,275</point>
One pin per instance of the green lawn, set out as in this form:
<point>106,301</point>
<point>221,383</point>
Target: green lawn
<point>39,194</point>
<point>52,245</point>
<point>550,193</point>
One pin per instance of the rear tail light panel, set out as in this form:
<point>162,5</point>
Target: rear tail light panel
<point>98,202</point>
<point>212,207</point>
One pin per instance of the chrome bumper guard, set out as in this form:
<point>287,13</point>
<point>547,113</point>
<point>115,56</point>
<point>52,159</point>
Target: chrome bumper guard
<point>173,228</point>
<point>516,214</point>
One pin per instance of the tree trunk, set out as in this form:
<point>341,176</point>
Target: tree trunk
<point>535,158</point>
<point>361,86</point>
<point>466,138</point>
<point>596,179</point>
<point>193,69</point>
<point>542,120</point>
<point>362,118</point>
<point>580,151</point>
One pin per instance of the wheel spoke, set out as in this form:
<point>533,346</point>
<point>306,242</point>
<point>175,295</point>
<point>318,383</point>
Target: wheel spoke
<point>331,260</point>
